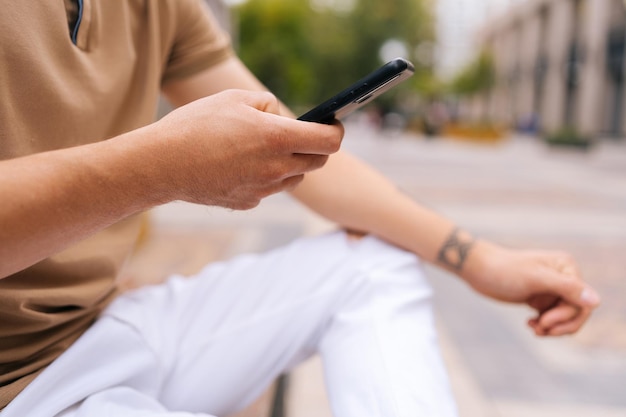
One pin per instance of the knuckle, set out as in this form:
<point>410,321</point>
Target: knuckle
<point>246,204</point>
<point>252,204</point>
<point>319,161</point>
<point>266,95</point>
<point>229,94</point>
<point>273,172</point>
<point>335,144</point>
<point>332,140</point>
<point>566,257</point>
<point>273,188</point>
<point>292,182</point>
<point>571,281</point>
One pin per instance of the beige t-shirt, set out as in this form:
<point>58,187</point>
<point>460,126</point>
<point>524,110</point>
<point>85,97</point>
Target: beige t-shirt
<point>61,87</point>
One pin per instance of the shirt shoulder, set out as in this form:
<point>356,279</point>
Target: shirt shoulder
<point>198,40</point>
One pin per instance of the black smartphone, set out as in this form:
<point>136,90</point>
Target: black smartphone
<point>361,92</point>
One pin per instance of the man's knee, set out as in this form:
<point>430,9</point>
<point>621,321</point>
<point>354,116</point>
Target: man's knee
<point>380,269</point>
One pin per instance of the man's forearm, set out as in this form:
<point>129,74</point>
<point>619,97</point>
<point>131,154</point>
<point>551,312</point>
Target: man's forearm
<point>347,191</point>
<point>53,199</point>
<point>357,197</point>
<point>228,150</point>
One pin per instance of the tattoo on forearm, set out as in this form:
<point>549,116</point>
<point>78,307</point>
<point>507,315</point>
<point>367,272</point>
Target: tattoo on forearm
<point>455,250</point>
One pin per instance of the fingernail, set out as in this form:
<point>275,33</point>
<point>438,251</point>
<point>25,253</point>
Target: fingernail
<point>589,296</point>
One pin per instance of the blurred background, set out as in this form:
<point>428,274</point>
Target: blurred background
<point>513,126</point>
<point>554,68</point>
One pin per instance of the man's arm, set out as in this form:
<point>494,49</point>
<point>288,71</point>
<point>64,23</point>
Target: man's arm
<point>357,197</point>
<point>229,150</point>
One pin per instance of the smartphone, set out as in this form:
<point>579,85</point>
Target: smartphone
<point>361,92</point>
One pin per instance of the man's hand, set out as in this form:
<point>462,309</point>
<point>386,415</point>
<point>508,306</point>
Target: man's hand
<point>229,149</point>
<point>548,281</point>
<point>232,149</point>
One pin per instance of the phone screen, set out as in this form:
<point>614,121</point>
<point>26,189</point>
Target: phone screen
<point>361,92</point>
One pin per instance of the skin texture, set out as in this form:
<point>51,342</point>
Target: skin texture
<point>352,194</point>
<point>231,149</point>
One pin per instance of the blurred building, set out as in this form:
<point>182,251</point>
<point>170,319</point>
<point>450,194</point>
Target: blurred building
<point>559,63</point>
<point>457,22</point>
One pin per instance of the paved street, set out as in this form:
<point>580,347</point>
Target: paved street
<point>518,193</point>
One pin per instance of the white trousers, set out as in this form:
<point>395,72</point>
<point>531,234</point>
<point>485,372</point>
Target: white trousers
<point>210,344</point>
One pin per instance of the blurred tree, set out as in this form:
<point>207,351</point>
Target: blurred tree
<point>477,77</point>
<point>429,85</point>
<point>306,51</point>
<point>272,42</point>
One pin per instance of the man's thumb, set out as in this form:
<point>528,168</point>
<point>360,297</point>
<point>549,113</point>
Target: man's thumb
<point>571,288</point>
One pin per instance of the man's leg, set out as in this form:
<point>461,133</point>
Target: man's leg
<point>214,342</point>
<point>363,305</point>
<point>380,353</point>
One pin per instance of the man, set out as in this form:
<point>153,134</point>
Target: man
<point>82,157</point>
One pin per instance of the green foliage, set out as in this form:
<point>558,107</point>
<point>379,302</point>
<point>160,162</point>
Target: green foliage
<point>569,136</point>
<point>478,76</point>
<point>306,52</point>
<point>429,85</point>
<point>269,32</point>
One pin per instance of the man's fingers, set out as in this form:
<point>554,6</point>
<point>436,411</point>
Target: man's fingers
<point>308,162</point>
<point>290,183</point>
<point>560,320</point>
<point>569,327</point>
<point>295,135</point>
<point>569,287</point>
<point>543,302</point>
<point>312,138</point>
<point>260,100</point>
<point>563,312</point>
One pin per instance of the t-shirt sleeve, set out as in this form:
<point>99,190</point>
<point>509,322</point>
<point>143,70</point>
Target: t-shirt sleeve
<point>198,43</point>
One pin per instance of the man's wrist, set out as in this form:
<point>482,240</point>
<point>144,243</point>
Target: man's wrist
<point>455,250</point>
<point>140,168</point>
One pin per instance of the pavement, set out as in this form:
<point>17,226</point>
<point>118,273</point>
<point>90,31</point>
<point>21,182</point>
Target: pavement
<point>517,192</point>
